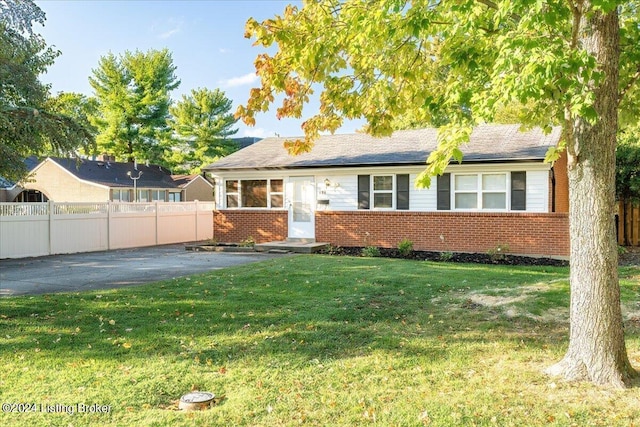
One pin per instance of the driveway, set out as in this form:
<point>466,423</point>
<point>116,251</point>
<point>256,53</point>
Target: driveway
<point>112,269</point>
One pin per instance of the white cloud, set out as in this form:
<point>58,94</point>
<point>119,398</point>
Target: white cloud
<point>223,50</point>
<point>174,25</point>
<point>169,33</point>
<point>245,80</point>
<point>255,132</point>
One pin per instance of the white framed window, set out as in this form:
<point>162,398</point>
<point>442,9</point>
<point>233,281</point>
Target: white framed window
<point>143,196</point>
<point>232,190</point>
<point>494,191</point>
<point>175,196</point>
<point>276,193</point>
<point>158,195</point>
<point>254,193</point>
<point>120,195</point>
<point>486,191</point>
<point>465,192</point>
<point>383,191</point>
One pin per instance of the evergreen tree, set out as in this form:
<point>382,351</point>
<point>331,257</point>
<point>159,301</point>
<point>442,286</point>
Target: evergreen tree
<point>202,122</point>
<point>132,91</point>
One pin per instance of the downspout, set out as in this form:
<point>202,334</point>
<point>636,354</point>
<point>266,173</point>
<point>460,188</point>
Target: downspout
<point>553,189</point>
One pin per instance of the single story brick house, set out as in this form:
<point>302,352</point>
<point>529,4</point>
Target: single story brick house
<point>357,190</point>
<point>84,180</point>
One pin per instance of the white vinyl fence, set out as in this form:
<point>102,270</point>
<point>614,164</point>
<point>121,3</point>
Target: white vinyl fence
<point>36,229</point>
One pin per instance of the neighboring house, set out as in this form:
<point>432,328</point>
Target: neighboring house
<point>356,190</point>
<point>83,180</point>
<point>194,187</point>
<point>13,192</point>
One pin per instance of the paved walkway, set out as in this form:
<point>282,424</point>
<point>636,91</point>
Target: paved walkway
<point>113,269</point>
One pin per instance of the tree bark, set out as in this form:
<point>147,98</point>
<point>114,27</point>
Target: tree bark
<point>596,351</point>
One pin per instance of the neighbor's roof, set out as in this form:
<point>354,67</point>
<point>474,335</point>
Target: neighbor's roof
<point>30,163</point>
<point>489,143</point>
<point>184,180</point>
<point>114,174</point>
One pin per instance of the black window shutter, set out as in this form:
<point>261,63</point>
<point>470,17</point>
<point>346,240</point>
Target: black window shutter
<point>444,192</point>
<point>363,191</point>
<point>518,191</point>
<point>402,193</point>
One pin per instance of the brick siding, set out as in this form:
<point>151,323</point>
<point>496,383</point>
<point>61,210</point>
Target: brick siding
<point>234,226</point>
<point>562,183</point>
<point>524,233</point>
<point>544,234</point>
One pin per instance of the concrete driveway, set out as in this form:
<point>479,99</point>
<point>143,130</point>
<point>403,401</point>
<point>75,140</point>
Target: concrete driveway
<point>112,269</point>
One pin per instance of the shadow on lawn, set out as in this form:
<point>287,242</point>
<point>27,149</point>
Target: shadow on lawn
<point>219,321</point>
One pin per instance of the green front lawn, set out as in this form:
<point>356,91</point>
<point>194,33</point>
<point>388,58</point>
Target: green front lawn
<point>311,340</point>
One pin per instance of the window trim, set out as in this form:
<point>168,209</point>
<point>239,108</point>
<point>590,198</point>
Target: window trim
<point>391,192</point>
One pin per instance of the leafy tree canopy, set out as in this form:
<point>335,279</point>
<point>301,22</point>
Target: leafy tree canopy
<point>202,122</point>
<point>456,64</point>
<point>132,92</point>
<point>628,165</point>
<point>397,63</point>
<point>27,125</point>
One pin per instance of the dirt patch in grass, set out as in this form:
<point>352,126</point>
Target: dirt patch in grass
<point>509,303</point>
<point>631,256</point>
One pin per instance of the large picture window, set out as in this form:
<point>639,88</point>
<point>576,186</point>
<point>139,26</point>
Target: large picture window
<point>254,193</point>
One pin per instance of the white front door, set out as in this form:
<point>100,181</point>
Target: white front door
<point>301,206</point>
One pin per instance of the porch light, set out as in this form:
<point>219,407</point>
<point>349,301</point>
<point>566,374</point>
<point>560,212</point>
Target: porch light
<point>327,183</point>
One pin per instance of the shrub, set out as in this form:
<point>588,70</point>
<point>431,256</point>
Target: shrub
<point>333,250</point>
<point>371,251</point>
<point>446,256</point>
<point>498,253</point>
<point>249,242</point>
<point>405,247</point>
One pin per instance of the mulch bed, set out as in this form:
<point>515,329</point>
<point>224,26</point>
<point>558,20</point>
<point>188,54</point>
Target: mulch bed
<point>477,258</point>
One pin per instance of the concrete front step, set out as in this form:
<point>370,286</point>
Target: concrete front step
<point>298,246</point>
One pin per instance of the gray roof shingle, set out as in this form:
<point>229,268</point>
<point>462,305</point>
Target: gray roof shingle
<point>489,143</point>
<point>114,174</point>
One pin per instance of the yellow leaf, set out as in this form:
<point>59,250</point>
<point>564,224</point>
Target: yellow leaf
<point>126,345</point>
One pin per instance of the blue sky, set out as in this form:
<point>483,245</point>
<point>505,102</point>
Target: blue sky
<point>206,38</point>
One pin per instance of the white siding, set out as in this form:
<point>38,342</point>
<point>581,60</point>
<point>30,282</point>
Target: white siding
<point>342,193</point>
<point>422,199</point>
<point>537,191</point>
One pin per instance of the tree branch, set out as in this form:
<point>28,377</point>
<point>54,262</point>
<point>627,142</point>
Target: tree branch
<point>629,85</point>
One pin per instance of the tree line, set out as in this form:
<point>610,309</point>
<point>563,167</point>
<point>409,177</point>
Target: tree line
<point>130,114</point>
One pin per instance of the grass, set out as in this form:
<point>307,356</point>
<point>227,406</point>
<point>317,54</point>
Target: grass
<point>311,340</point>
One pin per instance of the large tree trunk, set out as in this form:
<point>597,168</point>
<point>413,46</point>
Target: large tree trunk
<point>596,350</point>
